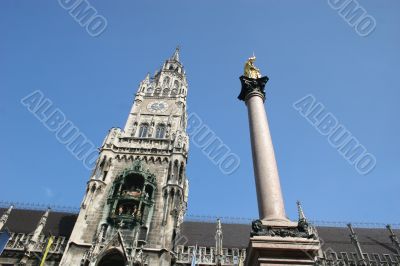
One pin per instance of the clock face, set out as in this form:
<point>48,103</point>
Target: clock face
<point>157,107</point>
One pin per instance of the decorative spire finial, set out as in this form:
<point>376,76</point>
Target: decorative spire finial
<point>175,56</point>
<point>301,212</point>
<point>218,240</point>
<point>219,227</point>
<point>4,217</point>
<point>356,243</point>
<point>394,239</point>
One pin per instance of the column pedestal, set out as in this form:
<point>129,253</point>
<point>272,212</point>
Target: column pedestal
<point>268,250</point>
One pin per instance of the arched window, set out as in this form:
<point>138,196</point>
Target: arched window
<point>169,172</point>
<point>160,131</point>
<point>144,128</point>
<point>176,84</point>
<point>176,169</point>
<point>165,91</point>
<point>165,82</point>
<point>181,169</point>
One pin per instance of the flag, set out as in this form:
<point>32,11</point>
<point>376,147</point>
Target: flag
<point>4,238</point>
<point>194,260</point>
<point>51,239</point>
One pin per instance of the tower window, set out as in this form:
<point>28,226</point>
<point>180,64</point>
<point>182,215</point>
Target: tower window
<point>166,82</point>
<point>176,85</point>
<point>144,128</point>
<point>165,91</point>
<point>160,131</point>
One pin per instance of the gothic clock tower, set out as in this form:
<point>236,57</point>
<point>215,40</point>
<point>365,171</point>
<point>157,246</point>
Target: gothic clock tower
<point>136,196</point>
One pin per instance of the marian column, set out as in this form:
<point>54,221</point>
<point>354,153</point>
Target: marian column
<point>269,193</point>
<point>274,239</point>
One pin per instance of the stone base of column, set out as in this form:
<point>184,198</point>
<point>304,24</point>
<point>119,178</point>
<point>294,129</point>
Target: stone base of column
<point>279,224</point>
<point>273,250</point>
<point>282,243</point>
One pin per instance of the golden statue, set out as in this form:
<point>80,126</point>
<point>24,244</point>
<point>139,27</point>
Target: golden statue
<point>250,70</point>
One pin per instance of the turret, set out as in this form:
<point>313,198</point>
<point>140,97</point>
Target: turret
<point>300,211</point>
<point>394,239</point>
<point>218,242</point>
<point>29,248</point>
<point>5,216</point>
<point>356,243</point>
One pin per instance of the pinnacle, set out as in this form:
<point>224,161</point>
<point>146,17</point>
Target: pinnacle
<point>175,56</point>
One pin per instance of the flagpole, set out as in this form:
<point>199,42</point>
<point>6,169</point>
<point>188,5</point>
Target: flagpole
<point>49,243</point>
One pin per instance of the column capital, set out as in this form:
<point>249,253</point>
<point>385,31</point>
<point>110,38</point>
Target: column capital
<point>252,87</point>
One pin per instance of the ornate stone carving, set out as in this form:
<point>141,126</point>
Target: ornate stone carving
<point>302,230</point>
<point>252,85</point>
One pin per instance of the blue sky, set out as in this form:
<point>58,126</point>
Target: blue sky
<point>305,47</point>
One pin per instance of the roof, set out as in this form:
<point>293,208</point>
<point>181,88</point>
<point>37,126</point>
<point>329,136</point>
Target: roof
<point>25,221</point>
<point>372,240</point>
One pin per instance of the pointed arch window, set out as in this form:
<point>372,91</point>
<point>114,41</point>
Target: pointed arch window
<point>165,82</point>
<point>143,130</point>
<point>176,169</point>
<point>150,90</point>
<point>160,131</point>
<point>181,173</point>
<point>165,91</point>
<point>176,84</point>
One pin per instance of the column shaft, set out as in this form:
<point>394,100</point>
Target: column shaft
<point>269,194</point>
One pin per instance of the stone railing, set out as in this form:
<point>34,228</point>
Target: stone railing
<point>344,258</point>
<point>206,256</point>
<point>150,143</point>
<point>19,241</point>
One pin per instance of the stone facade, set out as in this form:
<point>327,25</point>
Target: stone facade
<point>137,195</point>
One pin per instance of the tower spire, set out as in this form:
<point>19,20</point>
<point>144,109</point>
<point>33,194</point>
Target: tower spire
<point>175,56</point>
<point>35,237</point>
<point>300,211</point>
<point>5,216</point>
<point>356,243</point>
<point>394,239</point>
<point>218,241</point>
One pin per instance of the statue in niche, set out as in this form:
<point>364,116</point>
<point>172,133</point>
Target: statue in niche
<point>179,145</point>
<point>134,211</point>
<point>134,128</point>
